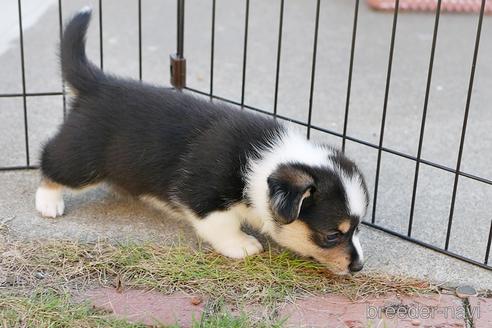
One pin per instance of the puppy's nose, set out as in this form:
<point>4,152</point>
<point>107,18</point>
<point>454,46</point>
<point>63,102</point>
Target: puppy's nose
<point>356,266</point>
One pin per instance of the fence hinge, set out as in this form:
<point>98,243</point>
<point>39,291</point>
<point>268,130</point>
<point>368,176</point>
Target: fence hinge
<point>178,71</point>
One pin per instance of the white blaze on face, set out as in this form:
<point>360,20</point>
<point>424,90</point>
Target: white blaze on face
<point>355,193</point>
<point>358,247</point>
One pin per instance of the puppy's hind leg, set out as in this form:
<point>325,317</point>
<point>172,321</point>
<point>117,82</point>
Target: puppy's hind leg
<point>222,229</point>
<point>65,162</point>
<point>49,199</point>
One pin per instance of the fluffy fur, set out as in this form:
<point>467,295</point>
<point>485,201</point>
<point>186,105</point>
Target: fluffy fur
<point>212,164</point>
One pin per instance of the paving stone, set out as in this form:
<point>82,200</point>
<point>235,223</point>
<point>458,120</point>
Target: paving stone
<point>481,311</point>
<point>147,307</point>
<point>443,311</point>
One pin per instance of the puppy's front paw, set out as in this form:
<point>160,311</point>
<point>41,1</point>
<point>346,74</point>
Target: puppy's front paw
<point>239,247</point>
<point>49,202</point>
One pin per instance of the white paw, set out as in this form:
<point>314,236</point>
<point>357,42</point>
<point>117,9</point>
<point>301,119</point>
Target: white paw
<point>239,247</point>
<point>49,202</point>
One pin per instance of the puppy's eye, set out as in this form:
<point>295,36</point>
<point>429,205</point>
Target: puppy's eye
<point>333,237</point>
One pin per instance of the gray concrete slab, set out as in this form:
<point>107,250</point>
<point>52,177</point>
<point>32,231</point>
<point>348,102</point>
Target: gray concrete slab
<point>414,33</point>
<point>91,215</point>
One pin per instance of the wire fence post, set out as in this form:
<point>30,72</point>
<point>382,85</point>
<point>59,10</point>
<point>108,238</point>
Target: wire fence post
<point>279,50</point>
<point>385,109</point>
<point>245,51</point>
<point>178,62</point>
<point>313,69</point>
<point>212,50</point>
<point>465,123</point>
<point>60,26</point>
<point>424,117</point>
<point>23,70</point>
<point>140,40</point>
<point>101,41</point>
<point>489,242</point>
<point>351,68</point>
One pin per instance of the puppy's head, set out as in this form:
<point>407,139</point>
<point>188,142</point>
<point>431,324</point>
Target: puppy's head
<point>317,211</point>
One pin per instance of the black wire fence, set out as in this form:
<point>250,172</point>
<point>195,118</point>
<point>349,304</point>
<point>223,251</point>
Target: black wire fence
<point>178,80</point>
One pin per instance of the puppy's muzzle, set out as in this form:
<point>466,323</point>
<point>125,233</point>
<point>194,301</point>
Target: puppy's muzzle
<point>356,266</point>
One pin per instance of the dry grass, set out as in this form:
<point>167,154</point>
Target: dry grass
<point>270,277</point>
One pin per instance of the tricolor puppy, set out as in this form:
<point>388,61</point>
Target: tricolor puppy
<point>212,164</point>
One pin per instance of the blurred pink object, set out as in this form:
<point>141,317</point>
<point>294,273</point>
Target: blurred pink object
<point>430,5</point>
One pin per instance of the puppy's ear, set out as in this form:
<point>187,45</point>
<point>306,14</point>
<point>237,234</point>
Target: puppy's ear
<point>288,187</point>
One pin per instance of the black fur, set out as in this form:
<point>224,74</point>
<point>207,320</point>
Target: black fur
<point>83,75</point>
<point>147,139</point>
<point>287,186</point>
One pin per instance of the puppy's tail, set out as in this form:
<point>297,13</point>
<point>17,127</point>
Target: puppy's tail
<point>77,70</point>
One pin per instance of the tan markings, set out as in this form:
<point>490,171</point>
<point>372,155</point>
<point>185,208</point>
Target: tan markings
<point>47,183</point>
<point>306,194</point>
<point>50,184</point>
<point>344,227</point>
<point>297,237</point>
<point>293,176</point>
<point>71,91</point>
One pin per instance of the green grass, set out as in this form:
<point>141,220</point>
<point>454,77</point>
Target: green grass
<point>265,280</point>
<point>216,314</point>
<point>49,309</point>
<point>227,320</point>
